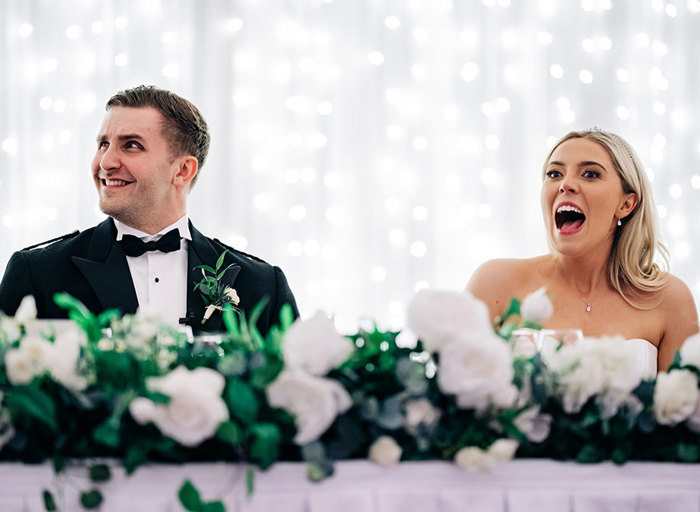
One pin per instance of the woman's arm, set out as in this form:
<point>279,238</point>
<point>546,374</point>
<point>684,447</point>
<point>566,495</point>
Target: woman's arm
<point>680,319</point>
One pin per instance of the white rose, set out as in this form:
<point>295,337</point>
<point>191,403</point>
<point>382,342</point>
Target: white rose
<point>675,396</point>
<point>475,370</point>
<point>314,346</point>
<point>26,312</point>
<point>314,402</point>
<point>474,459</point>
<point>142,410</point>
<point>523,346</point>
<point>534,425</point>
<point>232,294</point>
<point>420,412</point>
<point>195,410</point>
<point>31,359</point>
<point>385,451</point>
<point>440,317</point>
<point>694,420</point>
<point>690,351</point>
<point>9,330</point>
<point>65,358</point>
<point>503,450</point>
<point>606,366</point>
<point>20,367</point>
<point>536,307</point>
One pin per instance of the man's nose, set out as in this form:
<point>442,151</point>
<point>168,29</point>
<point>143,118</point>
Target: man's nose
<point>109,160</point>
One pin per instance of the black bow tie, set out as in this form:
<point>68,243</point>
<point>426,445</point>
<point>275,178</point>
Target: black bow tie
<point>134,246</point>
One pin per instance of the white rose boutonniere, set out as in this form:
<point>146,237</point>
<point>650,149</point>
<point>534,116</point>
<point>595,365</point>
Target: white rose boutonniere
<point>195,410</point>
<point>314,402</point>
<point>214,292</point>
<point>314,346</point>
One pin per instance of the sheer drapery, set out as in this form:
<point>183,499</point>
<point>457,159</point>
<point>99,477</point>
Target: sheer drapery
<point>367,147</point>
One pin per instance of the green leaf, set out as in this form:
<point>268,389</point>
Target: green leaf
<point>91,499</point>
<point>32,403</point>
<point>242,401</point>
<point>107,433</point>
<point>49,501</point>
<point>106,317</point>
<point>513,309</point>
<point>100,473</point>
<point>688,452</point>
<point>66,301</point>
<point>230,433</point>
<point>220,261</point>
<point>286,316</point>
<point>135,456</point>
<point>214,506</point>
<point>189,497</point>
<point>250,480</point>
<point>205,268</point>
<point>231,322</point>
<point>265,445</point>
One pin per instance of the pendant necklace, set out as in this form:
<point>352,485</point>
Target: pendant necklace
<point>573,288</point>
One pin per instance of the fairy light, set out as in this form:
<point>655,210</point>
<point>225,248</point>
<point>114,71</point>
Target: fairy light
<point>328,141</point>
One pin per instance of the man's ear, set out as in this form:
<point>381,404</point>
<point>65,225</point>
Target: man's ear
<point>628,205</point>
<point>187,170</point>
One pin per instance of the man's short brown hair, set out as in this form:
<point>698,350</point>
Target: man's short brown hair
<point>184,126</point>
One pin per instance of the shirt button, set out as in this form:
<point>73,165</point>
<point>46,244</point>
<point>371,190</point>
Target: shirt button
<point>157,280</point>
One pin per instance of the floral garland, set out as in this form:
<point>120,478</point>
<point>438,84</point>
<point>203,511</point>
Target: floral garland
<point>448,387</point>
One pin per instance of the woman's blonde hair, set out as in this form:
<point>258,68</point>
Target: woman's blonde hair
<point>632,268</point>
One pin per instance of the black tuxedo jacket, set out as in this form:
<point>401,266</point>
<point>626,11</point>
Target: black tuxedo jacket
<point>92,268</point>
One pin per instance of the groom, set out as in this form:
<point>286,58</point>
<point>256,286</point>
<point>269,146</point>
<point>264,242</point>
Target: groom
<point>150,150</point>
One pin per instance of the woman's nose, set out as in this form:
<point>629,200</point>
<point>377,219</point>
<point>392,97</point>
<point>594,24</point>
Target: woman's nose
<point>568,185</point>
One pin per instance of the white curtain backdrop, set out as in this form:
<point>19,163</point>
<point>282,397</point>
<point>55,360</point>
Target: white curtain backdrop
<point>368,147</point>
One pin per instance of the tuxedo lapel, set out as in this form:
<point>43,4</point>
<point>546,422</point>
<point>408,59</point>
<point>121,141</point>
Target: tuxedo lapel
<point>106,270</point>
<point>202,252</point>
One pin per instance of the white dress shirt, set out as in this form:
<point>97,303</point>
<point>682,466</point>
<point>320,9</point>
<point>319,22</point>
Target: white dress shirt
<point>160,278</point>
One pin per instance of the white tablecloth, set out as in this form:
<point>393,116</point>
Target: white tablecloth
<point>358,486</point>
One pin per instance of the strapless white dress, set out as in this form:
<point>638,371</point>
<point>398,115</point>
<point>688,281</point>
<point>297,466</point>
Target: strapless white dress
<point>647,355</point>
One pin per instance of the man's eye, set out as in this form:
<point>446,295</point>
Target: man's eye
<point>133,145</point>
<point>102,144</point>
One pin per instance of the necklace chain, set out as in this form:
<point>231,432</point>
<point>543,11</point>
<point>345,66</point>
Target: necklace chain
<point>573,288</point>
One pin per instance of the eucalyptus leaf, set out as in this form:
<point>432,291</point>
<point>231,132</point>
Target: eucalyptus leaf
<point>189,497</point>
<point>242,401</point>
<point>91,499</point>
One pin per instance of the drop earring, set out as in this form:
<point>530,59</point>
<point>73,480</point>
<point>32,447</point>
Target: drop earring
<point>619,222</point>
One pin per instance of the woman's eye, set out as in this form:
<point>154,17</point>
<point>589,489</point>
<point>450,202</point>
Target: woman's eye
<point>591,174</point>
<point>553,174</point>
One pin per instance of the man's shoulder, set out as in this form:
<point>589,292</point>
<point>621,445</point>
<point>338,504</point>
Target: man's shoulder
<point>73,243</point>
<point>240,255</point>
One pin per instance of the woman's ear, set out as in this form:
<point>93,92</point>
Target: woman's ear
<point>628,205</point>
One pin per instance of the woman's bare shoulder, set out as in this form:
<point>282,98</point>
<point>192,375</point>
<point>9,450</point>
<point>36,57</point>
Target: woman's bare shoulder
<point>497,281</point>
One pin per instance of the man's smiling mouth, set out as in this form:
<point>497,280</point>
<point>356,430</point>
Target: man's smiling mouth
<point>114,183</point>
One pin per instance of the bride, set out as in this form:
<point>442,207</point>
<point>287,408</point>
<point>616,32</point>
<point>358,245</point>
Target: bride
<point>601,271</point>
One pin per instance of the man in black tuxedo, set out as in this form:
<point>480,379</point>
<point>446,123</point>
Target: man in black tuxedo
<point>150,149</point>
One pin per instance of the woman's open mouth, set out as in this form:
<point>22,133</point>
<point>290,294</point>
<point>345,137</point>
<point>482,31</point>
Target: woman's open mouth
<point>569,219</point>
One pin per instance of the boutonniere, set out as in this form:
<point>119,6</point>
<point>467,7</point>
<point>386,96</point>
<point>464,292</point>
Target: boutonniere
<point>214,292</point>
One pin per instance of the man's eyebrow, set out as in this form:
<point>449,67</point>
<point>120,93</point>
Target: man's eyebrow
<point>126,136</point>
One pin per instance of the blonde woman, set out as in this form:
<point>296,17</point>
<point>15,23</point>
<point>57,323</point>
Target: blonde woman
<point>603,267</point>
